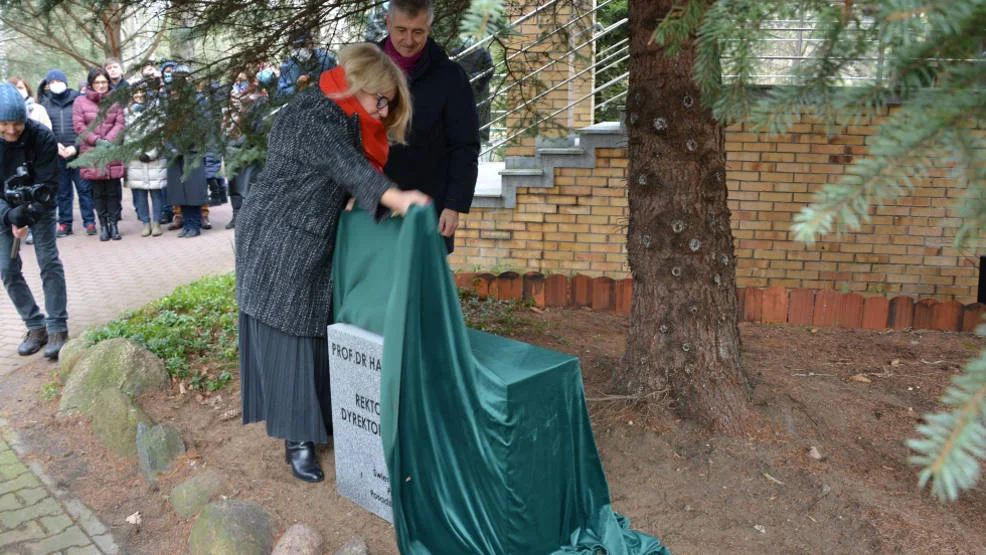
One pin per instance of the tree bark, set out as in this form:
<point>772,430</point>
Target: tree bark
<point>684,339</point>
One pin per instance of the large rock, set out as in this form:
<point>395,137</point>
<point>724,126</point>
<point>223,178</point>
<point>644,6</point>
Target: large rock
<point>118,363</point>
<point>157,447</point>
<point>189,498</point>
<point>232,528</point>
<point>115,418</point>
<point>69,356</point>
<point>300,539</point>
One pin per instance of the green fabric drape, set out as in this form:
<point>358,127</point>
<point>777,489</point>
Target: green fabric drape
<point>488,441</point>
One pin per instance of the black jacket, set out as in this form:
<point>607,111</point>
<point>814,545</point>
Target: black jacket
<point>442,151</point>
<point>36,147</point>
<point>59,109</point>
<point>285,230</point>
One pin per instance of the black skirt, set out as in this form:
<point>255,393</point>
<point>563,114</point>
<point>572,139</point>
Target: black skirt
<point>284,380</point>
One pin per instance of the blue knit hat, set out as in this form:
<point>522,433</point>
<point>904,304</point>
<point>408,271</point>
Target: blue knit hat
<point>12,107</point>
<point>56,75</point>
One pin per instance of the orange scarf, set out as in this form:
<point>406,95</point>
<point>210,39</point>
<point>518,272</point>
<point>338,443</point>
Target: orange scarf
<point>376,147</point>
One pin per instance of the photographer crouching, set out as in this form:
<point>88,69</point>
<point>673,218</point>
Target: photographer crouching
<point>29,169</point>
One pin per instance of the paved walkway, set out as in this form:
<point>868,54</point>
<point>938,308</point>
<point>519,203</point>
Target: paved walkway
<point>103,279</point>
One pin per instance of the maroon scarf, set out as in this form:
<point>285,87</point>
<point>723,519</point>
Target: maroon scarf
<point>406,64</point>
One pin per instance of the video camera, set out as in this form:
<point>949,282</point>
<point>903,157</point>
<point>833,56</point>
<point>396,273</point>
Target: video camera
<point>20,188</point>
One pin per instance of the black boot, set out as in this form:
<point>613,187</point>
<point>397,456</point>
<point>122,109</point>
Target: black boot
<point>114,228</point>
<point>104,229</point>
<point>56,340</point>
<point>304,465</point>
<point>33,341</point>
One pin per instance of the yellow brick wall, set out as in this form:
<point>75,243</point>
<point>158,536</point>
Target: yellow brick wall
<point>579,226</point>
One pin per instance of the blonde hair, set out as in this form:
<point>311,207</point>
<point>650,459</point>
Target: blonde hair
<point>369,69</point>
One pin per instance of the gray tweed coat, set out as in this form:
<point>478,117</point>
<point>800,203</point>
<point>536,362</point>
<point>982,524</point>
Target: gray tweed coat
<point>285,231</point>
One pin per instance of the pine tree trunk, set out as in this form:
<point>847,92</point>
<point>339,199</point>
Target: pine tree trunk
<point>684,337</point>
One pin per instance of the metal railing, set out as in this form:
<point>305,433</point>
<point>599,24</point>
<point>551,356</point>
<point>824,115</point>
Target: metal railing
<point>583,38</point>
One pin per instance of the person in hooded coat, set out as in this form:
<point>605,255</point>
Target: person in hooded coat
<point>59,101</point>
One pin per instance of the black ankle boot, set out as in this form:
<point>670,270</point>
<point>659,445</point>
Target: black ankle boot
<point>301,456</point>
<point>114,229</point>
<point>104,229</point>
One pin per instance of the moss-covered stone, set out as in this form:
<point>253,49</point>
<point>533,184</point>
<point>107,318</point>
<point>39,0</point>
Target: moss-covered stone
<point>232,528</point>
<point>190,497</point>
<point>120,364</point>
<point>157,447</point>
<point>115,418</point>
<point>69,356</point>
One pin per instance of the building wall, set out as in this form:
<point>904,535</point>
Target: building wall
<point>579,225</point>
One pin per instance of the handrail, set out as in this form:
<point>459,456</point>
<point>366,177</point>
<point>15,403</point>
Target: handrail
<point>605,31</point>
<point>494,146</point>
<point>478,44</point>
<point>559,84</point>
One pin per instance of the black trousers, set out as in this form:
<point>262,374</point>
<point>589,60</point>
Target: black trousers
<point>106,197</point>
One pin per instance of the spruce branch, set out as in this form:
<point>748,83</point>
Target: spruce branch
<point>954,441</point>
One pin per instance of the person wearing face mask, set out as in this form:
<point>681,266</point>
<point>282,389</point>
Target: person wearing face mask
<point>304,65</point>
<point>441,157</point>
<point>60,105</point>
<point>105,180</point>
<point>328,143</point>
<point>247,128</point>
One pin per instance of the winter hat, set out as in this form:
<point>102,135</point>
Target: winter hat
<point>56,75</point>
<point>12,107</point>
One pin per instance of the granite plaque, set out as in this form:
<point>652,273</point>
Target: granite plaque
<point>361,470</point>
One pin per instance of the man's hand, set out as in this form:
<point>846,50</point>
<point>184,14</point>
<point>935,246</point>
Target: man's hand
<point>22,216</point>
<point>19,232</point>
<point>303,81</point>
<point>448,222</point>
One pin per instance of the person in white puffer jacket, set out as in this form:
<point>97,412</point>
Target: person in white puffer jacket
<point>147,175</point>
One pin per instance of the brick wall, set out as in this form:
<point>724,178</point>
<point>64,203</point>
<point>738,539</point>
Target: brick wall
<point>579,225</point>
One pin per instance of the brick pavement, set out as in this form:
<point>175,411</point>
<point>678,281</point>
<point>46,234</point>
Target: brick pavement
<point>103,279</point>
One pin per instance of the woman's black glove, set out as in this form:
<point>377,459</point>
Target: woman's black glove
<point>24,215</point>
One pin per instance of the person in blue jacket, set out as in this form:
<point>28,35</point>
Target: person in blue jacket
<point>304,66</point>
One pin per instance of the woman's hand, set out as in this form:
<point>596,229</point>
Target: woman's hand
<point>400,201</point>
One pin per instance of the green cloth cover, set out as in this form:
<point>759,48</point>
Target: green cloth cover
<point>488,441</point>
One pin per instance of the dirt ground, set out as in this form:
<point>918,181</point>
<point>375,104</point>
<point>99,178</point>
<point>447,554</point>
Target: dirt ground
<point>698,493</point>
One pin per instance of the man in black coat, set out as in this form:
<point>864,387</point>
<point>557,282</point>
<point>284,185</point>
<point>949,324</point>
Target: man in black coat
<point>29,147</point>
<point>441,156</point>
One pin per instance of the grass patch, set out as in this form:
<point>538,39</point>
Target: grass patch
<point>51,390</point>
<point>197,322</point>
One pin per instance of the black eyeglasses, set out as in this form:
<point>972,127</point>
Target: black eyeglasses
<point>382,101</point>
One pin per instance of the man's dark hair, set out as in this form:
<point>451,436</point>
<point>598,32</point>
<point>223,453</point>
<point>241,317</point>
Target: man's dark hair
<point>412,8</point>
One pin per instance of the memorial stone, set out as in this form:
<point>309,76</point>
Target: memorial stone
<point>361,469</point>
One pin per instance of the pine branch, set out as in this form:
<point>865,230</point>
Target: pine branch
<point>954,441</point>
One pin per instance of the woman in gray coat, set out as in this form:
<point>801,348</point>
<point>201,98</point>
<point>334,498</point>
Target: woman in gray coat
<point>328,143</point>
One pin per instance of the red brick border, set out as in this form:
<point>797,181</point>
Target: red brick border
<point>773,304</point>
